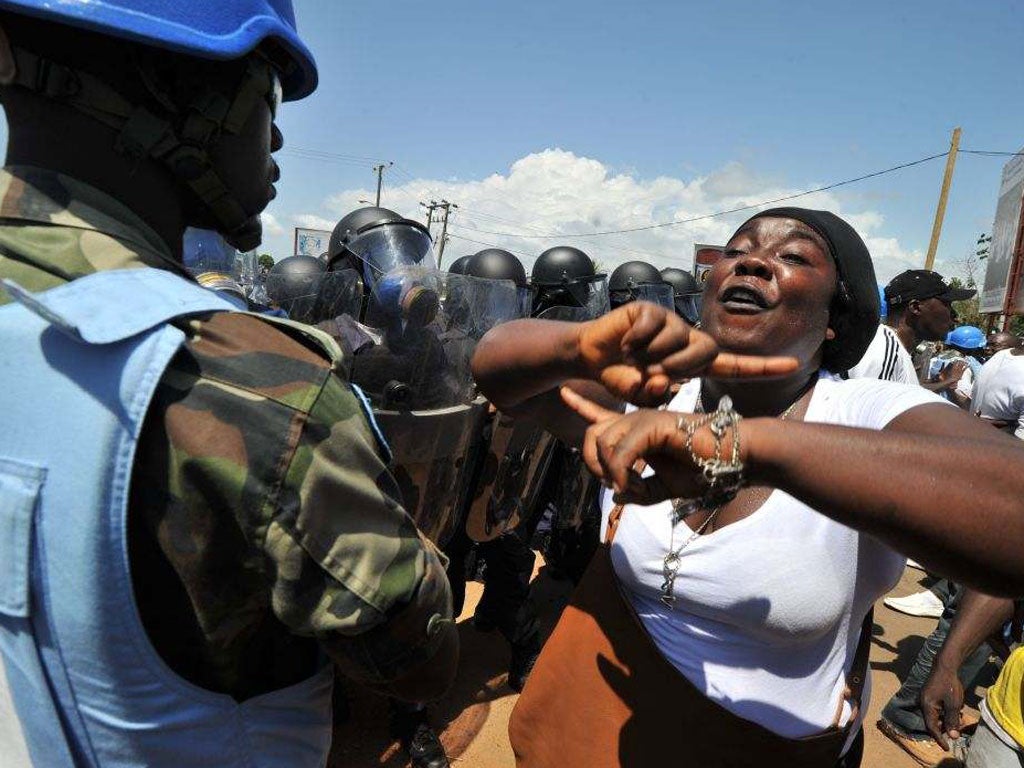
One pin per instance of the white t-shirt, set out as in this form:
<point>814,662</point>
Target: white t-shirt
<point>769,608</point>
<point>999,391</point>
<point>886,359</point>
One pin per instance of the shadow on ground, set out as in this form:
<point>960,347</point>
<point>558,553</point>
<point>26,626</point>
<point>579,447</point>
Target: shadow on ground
<point>363,739</point>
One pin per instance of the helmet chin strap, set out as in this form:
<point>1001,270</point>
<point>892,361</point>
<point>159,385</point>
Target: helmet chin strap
<point>181,146</point>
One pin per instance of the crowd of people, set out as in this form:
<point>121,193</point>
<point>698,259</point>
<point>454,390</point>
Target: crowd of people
<point>226,499</point>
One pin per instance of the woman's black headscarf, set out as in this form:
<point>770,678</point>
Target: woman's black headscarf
<point>855,311</point>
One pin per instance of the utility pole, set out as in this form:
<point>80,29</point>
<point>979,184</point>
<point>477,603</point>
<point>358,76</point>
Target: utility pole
<point>940,212</point>
<point>430,212</point>
<point>445,206</point>
<point>379,170</point>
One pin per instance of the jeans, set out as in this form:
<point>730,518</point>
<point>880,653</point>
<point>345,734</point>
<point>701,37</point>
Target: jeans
<point>989,751</point>
<point>904,708</point>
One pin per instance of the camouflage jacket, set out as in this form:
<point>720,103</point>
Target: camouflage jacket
<point>262,514</point>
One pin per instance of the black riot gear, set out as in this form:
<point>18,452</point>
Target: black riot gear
<point>686,293</point>
<point>561,264</point>
<point>631,274</point>
<point>564,276</point>
<point>497,264</point>
<point>392,255</point>
<point>374,241</point>
<point>293,285</point>
<point>458,267</point>
<point>627,278</point>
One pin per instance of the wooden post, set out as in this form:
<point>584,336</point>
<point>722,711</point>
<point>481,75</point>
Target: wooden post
<point>940,212</point>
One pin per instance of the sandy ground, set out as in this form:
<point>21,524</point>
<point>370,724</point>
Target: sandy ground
<point>474,715</point>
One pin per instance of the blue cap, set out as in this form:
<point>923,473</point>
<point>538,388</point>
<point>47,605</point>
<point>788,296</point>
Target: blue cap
<point>966,337</point>
<point>207,29</point>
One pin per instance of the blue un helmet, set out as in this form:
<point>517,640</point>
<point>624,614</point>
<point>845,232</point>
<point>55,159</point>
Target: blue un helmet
<point>884,304</point>
<point>181,134</point>
<point>966,337</point>
<point>226,29</point>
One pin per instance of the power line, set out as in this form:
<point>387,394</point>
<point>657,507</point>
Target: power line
<point>990,153</point>
<point>705,216</point>
<point>489,245</point>
<point>325,155</point>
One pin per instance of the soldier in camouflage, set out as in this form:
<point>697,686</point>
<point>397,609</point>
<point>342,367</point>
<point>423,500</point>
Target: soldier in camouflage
<point>264,528</point>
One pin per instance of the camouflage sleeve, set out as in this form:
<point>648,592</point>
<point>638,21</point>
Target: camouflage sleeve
<point>352,568</point>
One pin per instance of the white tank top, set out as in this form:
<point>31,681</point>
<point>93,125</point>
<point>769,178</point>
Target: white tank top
<point>769,608</point>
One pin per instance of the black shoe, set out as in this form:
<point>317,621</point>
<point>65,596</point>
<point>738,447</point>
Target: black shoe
<point>524,656</point>
<point>425,749</point>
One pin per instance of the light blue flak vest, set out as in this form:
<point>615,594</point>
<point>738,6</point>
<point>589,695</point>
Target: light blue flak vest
<point>78,368</point>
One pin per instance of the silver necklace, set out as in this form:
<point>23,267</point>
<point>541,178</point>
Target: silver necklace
<point>670,565</point>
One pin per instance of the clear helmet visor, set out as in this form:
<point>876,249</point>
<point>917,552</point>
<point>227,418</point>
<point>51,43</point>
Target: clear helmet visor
<point>688,306</point>
<point>655,293</point>
<point>383,249</point>
<point>576,301</point>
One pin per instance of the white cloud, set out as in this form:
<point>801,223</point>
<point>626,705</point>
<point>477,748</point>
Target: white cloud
<point>312,221</point>
<point>559,192</point>
<point>271,226</point>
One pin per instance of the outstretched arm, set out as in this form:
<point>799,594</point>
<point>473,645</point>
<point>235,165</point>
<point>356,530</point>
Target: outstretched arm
<point>936,484</point>
<point>631,354</point>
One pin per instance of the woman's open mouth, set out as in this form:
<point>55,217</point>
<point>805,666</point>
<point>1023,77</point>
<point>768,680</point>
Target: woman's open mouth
<point>743,299</point>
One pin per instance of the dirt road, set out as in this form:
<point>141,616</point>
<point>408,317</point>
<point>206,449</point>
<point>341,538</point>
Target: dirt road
<point>474,715</point>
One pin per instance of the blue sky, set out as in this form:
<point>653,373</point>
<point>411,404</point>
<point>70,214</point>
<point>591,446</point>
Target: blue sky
<point>567,117</point>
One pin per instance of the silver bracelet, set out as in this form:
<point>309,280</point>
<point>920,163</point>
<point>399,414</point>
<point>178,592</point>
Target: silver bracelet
<point>724,477</point>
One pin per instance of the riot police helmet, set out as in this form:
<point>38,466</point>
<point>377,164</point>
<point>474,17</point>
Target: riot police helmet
<point>497,264</point>
<point>631,274</point>
<point>458,267</point>
<point>687,293</point>
<point>561,264</point>
<point>375,241</point>
<point>682,282</point>
<point>293,284</point>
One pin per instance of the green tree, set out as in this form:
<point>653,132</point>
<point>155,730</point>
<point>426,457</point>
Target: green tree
<point>265,260</point>
<point>967,310</point>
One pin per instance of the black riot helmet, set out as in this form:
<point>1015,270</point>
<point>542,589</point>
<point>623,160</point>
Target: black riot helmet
<point>627,277</point>
<point>564,276</point>
<point>559,265</point>
<point>496,264</point>
<point>294,283</point>
<point>374,241</point>
<point>458,267</point>
<point>686,291</point>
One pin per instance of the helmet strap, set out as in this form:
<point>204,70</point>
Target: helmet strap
<point>181,146</point>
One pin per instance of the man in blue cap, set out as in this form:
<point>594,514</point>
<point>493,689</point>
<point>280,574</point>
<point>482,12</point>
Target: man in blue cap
<point>196,515</point>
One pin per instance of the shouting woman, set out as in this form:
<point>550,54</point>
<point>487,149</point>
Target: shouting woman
<point>728,621</point>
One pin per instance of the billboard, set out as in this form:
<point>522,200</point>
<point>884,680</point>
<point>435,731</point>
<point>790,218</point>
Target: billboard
<point>704,257</point>
<point>311,242</point>
<point>992,297</point>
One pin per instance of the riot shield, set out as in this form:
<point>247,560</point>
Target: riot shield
<point>429,322</point>
<point>215,265</point>
<point>509,481</point>
<point>418,379</point>
<point>318,298</point>
<point>432,460</point>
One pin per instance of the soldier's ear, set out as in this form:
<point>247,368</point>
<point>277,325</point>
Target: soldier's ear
<point>8,69</point>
